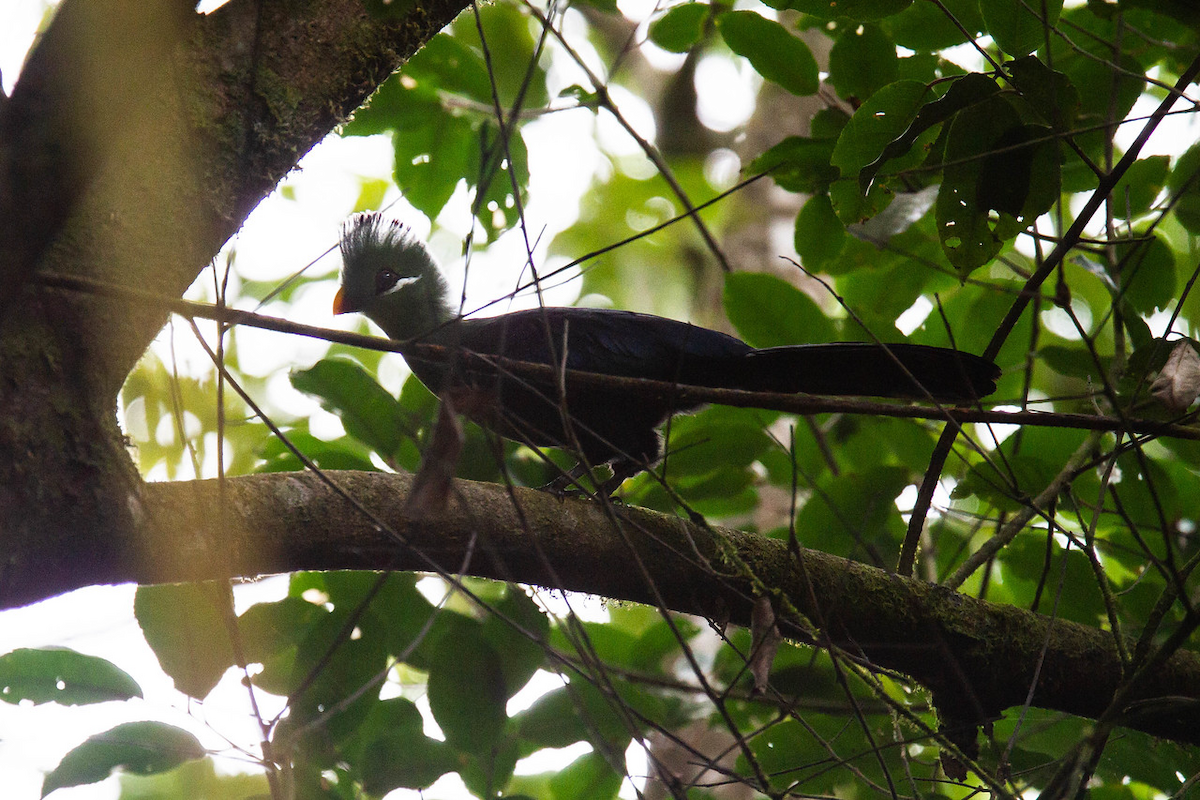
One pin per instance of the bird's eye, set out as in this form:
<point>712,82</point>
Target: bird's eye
<point>387,281</point>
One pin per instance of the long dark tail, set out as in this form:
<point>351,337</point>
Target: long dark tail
<point>852,368</point>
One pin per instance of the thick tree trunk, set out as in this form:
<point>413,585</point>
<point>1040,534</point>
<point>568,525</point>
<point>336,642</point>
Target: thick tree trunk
<point>137,139</point>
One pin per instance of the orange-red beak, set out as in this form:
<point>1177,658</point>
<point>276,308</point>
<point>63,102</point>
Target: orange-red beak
<point>340,306</point>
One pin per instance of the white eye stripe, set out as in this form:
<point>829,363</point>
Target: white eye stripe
<point>401,283</point>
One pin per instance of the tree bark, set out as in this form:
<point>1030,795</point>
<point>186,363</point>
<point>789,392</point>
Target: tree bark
<point>979,658</point>
<point>137,139</point>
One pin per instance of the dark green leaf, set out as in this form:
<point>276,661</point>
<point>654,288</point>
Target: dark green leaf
<point>185,625</point>
<point>141,747</point>
<point>799,164</point>
<point>993,163</point>
<point>1147,273</point>
<point>858,10</point>
<point>343,453</point>
<point>680,28</point>
<point>589,777</point>
<point>928,26</point>
<point>1073,362</point>
<point>1018,26</point>
<point>1184,182</point>
<point>467,690</point>
<point>768,311</point>
<point>271,636</point>
<point>368,412</point>
<point>398,755</point>
<point>819,233</point>
<point>855,515</point>
<point>62,676</point>
<point>879,121</point>
<point>776,54</point>
<point>1139,186</point>
<point>863,60</point>
<point>520,651</point>
<point>1049,93</point>
<point>963,93</point>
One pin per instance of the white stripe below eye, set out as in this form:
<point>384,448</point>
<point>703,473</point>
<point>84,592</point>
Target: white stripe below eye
<point>401,283</point>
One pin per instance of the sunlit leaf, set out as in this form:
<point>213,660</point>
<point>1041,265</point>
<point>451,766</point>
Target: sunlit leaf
<point>776,54</point>
<point>141,747</point>
<point>62,676</point>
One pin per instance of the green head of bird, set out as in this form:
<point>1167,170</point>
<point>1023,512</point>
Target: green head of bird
<point>388,275</point>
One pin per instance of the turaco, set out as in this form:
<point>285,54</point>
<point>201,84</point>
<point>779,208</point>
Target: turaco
<point>391,277</point>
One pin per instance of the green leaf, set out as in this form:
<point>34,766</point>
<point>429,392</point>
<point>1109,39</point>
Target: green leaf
<point>878,122</point>
<point>776,54</point>
<point>62,676</point>
<point>858,10</point>
<point>925,27</point>
<point>993,163</point>
<point>506,29</point>
<point>819,233</point>
<point>589,777</point>
<point>271,636</point>
<point>862,60</point>
<point>768,311</point>
<point>714,440</point>
<point>1049,93</point>
<point>196,779</point>
<point>398,754</point>
<point>186,628</point>
<point>963,93</point>
<point>432,156</point>
<point>368,412</point>
<point>798,164</point>
<point>448,64</point>
<point>521,652</point>
<point>496,174</point>
<point>1139,186</point>
<point>554,720</point>
<point>1147,273</point>
<point>141,747</point>
<point>855,515</point>
<point>679,29</point>
<point>466,689</point>
<point>1017,26</point>
<point>342,453</point>
<point>1184,182</point>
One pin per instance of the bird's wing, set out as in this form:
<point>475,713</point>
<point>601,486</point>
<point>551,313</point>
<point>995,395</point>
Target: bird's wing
<point>606,341</point>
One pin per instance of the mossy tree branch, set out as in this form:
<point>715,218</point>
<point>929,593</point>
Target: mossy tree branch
<point>979,658</point>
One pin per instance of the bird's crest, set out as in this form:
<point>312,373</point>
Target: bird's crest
<point>373,239</point>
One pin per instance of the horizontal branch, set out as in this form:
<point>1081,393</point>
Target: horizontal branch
<point>684,395</point>
<point>979,658</point>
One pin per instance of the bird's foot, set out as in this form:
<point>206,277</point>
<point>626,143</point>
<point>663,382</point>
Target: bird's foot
<point>568,484</point>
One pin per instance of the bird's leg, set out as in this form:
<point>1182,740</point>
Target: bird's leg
<point>621,471</point>
<point>568,482</point>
